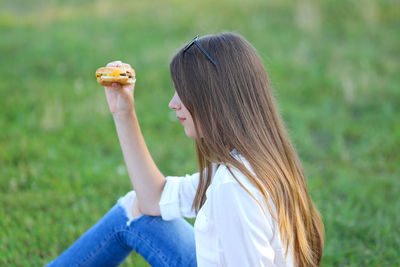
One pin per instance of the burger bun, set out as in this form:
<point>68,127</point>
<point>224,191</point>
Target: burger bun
<point>106,76</point>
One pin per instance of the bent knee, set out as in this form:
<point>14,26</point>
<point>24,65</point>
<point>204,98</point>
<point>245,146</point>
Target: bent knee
<point>131,206</point>
<point>135,209</point>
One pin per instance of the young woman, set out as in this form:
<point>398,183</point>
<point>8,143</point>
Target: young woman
<point>250,197</point>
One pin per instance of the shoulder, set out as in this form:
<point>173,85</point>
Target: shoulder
<point>230,185</point>
<point>233,186</point>
<point>242,206</point>
<point>230,176</point>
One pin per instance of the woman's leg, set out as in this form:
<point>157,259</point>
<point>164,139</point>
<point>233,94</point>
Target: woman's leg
<point>111,240</point>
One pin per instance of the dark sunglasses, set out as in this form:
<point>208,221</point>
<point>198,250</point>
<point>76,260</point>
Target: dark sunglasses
<point>194,41</point>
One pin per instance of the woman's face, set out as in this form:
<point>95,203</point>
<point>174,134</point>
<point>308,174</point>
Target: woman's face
<point>183,115</point>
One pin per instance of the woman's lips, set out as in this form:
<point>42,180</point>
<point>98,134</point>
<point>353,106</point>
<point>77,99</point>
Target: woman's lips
<point>181,119</point>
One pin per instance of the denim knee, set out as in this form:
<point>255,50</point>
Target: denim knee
<point>127,202</point>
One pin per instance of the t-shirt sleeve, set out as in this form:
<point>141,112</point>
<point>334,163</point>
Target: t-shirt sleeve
<point>244,232</point>
<point>177,197</point>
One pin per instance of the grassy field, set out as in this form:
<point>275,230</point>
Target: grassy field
<point>334,67</point>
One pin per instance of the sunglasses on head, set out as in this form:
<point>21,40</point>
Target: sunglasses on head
<point>194,41</point>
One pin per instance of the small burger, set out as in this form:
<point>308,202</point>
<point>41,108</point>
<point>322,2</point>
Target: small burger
<point>108,75</point>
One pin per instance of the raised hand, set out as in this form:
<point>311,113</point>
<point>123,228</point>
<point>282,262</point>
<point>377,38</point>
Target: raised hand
<point>120,97</point>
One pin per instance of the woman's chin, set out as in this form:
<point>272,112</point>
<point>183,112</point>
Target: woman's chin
<point>193,136</point>
<point>190,134</point>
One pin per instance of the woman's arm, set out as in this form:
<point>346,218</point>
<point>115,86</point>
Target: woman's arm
<point>146,178</point>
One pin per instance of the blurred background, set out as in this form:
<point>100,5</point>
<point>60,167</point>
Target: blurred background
<point>333,65</point>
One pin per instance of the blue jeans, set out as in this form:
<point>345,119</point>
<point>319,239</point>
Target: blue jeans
<point>111,240</point>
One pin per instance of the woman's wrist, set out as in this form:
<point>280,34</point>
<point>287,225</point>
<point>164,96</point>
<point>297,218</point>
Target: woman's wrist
<point>124,115</point>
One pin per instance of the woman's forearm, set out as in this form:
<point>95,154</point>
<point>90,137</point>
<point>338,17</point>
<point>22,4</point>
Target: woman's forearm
<point>146,178</point>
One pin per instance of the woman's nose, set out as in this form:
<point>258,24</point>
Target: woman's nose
<point>174,103</point>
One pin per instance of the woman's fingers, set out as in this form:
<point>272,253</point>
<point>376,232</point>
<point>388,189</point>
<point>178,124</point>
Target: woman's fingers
<point>115,64</point>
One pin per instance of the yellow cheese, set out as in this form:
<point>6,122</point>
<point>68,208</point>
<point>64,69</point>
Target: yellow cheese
<point>115,73</point>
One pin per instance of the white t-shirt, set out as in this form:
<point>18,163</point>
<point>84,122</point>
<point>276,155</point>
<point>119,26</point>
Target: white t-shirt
<point>230,228</point>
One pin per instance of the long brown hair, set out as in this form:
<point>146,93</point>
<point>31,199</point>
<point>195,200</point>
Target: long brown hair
<point>232,106</point>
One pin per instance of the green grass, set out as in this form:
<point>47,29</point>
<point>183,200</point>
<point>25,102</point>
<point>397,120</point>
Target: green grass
<point>334,67</point>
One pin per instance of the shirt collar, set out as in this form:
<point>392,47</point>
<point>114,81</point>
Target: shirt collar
<point>234,152</point>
